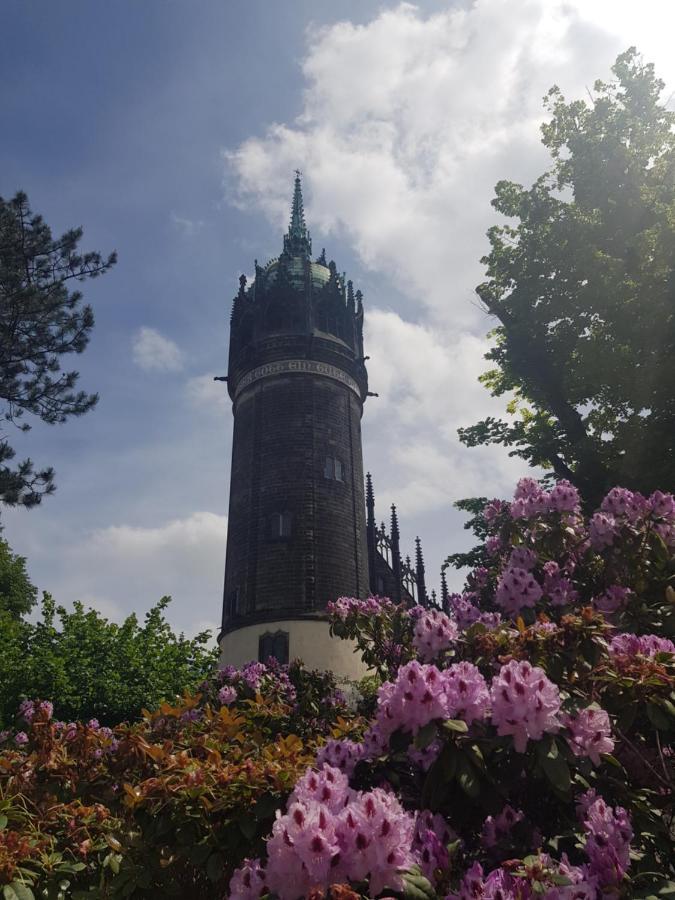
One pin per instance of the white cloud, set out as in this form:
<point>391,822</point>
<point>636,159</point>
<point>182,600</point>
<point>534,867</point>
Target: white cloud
<point>188,227</point>
<point>427,381</point>
<point>408,121</point>
<point>154,352</point>
<point>205,393</point>
<point>129,567</point>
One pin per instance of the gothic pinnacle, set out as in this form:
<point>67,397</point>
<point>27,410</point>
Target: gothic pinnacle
<point>297,241</point>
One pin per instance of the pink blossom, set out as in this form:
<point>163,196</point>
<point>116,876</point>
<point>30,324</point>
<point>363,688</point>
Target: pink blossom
<point>522,558</point>
<point>497,827</point>
<point>343,755</point>
<point>493,544</point>
<point>226,695</point>
<point>584,886</point>
<point>376,836</point>
<point>662,506</point>
<point>21,738</point>
<point>426,757</point>
<point>564,497</point>
<point>645,645</point>
<point>558,589</point>
<point>465,612</point>
<point>434,632</point>
<point>608,837</point>
<point>26,710</point>
<point>529,499</point>
<point>327,786</point>
<point>602,530</point>
<point>370,606</point>
<point>301,850</point>
<point>612,600</point>
<point>466,692</point>
<point>248,881</point>
<point>525,703</point>
<point>493,509</point>
<point>416,698</point>
<point>624,503</point>
<point>517,589</point>
<point>432,836</point>
<point>590,733</point>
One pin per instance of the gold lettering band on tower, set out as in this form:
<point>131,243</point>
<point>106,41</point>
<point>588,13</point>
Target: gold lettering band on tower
<point>283,366</point>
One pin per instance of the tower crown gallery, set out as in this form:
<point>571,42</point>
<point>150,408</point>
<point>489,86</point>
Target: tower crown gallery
<point>301,523</point>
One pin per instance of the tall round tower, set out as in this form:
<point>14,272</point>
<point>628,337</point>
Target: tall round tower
<point>297,528</point>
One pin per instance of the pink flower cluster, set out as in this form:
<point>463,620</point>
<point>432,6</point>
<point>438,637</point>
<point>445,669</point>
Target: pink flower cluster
<point>496,828</point>
<point>603,529</point>
<point>226,695</point>
<point>28,709</point>
<point>347,606</point>
<point>331,834</point>
<point>501,885</point>
<point>525,703</point>
<point>622,507</point>
<point>248,881</point>
<point>612,600</point>
<point>647,645</point>
<point>608,837</point>
<point>434,632</point>
<point>343,755</point>
<point>432,836</point>
<point>558,588</point>
<point>590,733</point>
<point>530,499</point>
<point>422,693</point>
<point>467,695</point>
<point>517,589</point>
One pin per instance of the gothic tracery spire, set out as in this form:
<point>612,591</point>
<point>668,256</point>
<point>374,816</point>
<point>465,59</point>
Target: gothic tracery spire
<point>297,241</point>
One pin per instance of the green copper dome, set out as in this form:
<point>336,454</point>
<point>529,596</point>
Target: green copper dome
<point>295,267</point>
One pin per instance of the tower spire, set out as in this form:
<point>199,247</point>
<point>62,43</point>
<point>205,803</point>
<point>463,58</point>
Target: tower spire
<point>395,554</point>
<point>370,532</point>
<point>422,598</point>
<point>445,596</point>
<point>297,241</point>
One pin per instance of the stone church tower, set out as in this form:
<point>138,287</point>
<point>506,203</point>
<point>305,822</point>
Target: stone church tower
<point>297,534</point>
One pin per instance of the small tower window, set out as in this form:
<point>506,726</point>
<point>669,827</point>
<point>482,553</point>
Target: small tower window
<point>273,645</point>
<point>279,526</point>
<point>333,469</point>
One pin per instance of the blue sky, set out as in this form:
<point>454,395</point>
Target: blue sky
<point>169,131</point>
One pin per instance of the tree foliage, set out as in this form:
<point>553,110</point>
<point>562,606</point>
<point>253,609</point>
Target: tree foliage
<point>89,667</point>
<point>17,594</point>
<point>41,320</point>
<point>583,287</point>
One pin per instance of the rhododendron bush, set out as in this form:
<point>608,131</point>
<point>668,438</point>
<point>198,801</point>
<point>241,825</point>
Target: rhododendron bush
<point>166,806</point>
<point>518,744</point>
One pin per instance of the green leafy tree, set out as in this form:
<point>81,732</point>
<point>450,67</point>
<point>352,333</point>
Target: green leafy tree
<point>582,283</point>
<point>41,319</point>
<point>17,594</point>
<point>92,668</point>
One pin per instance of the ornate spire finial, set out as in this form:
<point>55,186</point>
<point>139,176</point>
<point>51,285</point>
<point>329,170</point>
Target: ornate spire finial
<point>370,496</point>
<point>297,241</point>
<point>394,522</point>
<point>419,571</point>
<point>395,554</point>
<point>445,596</point>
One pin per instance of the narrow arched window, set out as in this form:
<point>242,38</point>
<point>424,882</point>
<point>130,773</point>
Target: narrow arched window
<point>274,645</point>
